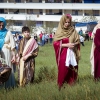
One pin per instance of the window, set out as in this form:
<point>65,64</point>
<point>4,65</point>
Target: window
<point>53,1</point>
<point>30,0</point>
<point>31,11</point>
<point>50,11</point>
<point>40,10</point>
<point>75,12</point>
<point>1,11</point>
<point>16,12</point>
<point>57,1</point>
<point>39,23</point>
<point>67,1</point>
<point>40,0</point>
<point>95,12</point>
<point>1,1</point>
<point>18,1</point>
<point>76,1</point>
<point>17,23</point>
<point>60,12</point>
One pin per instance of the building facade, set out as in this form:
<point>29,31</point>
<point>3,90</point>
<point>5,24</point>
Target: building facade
<point>43,12</point>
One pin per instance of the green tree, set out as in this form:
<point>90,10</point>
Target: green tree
<point>89,18</point>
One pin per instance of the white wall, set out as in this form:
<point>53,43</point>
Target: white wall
<point>67,6</point>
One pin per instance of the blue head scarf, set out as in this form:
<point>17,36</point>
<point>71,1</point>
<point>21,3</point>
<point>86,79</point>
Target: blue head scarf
<point>3,33</point>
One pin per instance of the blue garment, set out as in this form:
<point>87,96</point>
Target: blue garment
<point>43,37</point>
<point>20,37</point>
<point>51,40</point>
<point>11,81</point>
<point>80,32</point>
<point>3,33</point>
<point>43,40</point>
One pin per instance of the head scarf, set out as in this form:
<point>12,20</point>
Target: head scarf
<point>64,32</point>
<point>3,33</point>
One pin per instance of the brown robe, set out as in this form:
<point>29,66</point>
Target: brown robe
<point>29,64</point>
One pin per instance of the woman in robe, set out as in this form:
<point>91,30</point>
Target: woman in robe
<point>97,55</point>
<point>28,50</point>
<point>7,50</point>
<point>66,40</point>
<point>93,47</point>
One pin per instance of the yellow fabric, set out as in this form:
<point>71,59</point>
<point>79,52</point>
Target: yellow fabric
<point>21,71</point>
<point>74,38</point>
<point>61,31</point>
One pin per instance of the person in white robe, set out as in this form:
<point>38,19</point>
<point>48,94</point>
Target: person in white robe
<point>7,50</point>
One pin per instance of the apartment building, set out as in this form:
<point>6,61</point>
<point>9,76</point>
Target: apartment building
<point>43,12</point>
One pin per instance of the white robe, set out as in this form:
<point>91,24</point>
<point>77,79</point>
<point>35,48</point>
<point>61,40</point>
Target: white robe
<point>6,53</point>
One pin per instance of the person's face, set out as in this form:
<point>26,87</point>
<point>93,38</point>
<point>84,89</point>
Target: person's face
<point>67,23</point>
<point>1,25</point>
<point>26,34</point>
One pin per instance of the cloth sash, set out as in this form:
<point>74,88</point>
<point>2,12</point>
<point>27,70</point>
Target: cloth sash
<point>70,58</point>
<point>29,48</point>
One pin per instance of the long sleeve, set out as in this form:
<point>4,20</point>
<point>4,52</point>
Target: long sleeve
<point>35,52</point>
<point>12,42</point>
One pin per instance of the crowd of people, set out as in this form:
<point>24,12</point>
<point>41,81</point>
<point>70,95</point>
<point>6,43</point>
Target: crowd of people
<point>85,36</point>
<point>45,38</point>
<point>16,50</point>
<point>22,50</point>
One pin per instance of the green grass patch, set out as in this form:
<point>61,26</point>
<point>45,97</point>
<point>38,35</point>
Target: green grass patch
<point>45,83</point>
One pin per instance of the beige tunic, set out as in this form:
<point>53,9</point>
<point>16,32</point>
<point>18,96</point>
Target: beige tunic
<point>9,45</point>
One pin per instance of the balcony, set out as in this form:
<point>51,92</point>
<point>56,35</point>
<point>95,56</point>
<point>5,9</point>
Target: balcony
<point>54,18</point>
<point>51,1</point>
<point>73,6</point>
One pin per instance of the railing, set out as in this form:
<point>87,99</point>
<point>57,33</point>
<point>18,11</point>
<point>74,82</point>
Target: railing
<point>53,1</point>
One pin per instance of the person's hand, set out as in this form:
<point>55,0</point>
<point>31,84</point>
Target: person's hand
<point>17,60</point>
<point>13,59</point>
<point>26,57</point>
<point>71,45</point>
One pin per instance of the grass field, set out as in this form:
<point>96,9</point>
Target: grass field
<point>45,85</point>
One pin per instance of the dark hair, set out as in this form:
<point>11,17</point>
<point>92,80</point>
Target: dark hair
<point>25,28</point>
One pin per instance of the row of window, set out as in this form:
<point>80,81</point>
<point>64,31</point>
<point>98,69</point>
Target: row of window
<point>38,23</point>
<point>58,1</point>
<point>50,12</point>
